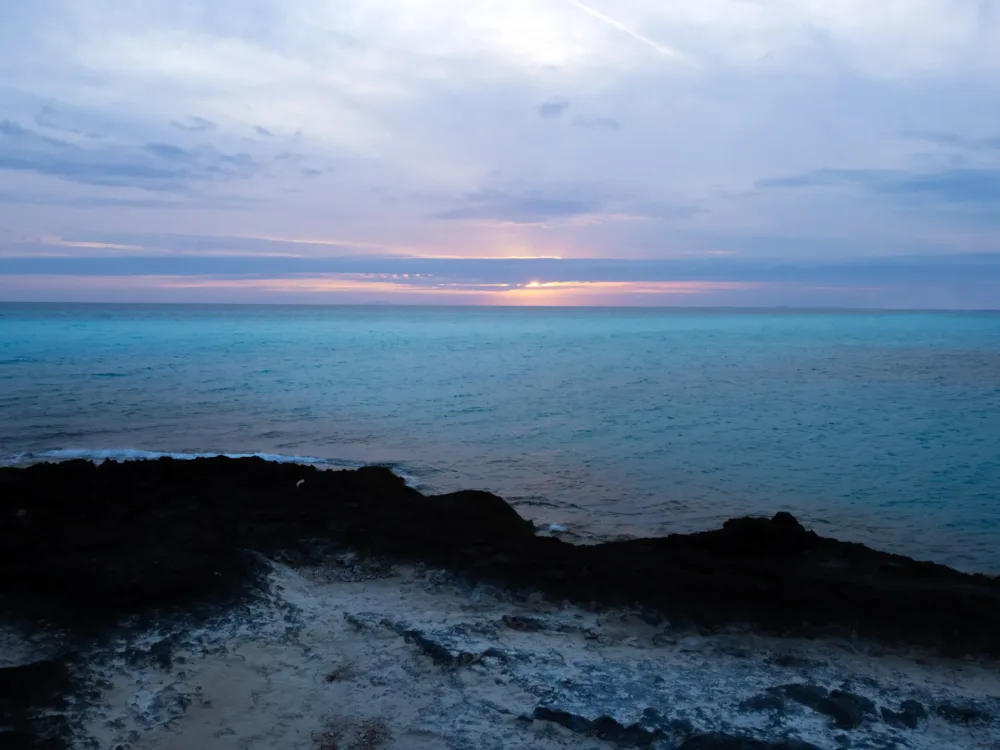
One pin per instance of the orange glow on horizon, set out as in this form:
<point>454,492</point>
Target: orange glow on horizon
<point>352,287</point>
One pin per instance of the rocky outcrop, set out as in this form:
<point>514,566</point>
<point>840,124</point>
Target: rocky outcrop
<point>962,714</point>
<point>84,544</point>
<point>603,727</point>
<point>910,714</point>
<point>31,696</point>
<point>847,710</point>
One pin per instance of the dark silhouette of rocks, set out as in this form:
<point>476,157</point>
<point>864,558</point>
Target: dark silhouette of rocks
<point>30,697</point>
<point>84,544</point>
<point>910,714</point>
<point>847,710</point>
<point>603,728</point>
<point>807,695</point>
<point>961,714</point>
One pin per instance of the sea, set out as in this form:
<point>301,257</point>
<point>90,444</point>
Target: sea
<point>596,423</point>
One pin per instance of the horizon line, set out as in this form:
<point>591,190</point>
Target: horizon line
<point>426,306</point>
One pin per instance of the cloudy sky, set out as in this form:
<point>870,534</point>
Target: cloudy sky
<point>719,152</point>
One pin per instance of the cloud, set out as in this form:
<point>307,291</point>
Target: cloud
<point>597,123</point>
<point>198,202</point>
<point>153,166</point>
<point>955,140</point>
<point>50,118</point>
<point>523,207</point>
<point>552,108</point>
<point>554,205</point>
<point>953,186</point>
<point>194,124</point>
<point>508,127</point>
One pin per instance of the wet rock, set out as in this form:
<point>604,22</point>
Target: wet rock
<point>910,714</point>
<point>37,685</point>
<point>764,702</point>
<point>957,714</point>
<point>665,639</point>
<point>524,624</point>
<point>160,654</point>
<point>439,652</point>
<point>15,739</point>
<point>651,617</point>
<point>807,695</point>
<point>603,728</point>
<point>45,732</point>
<point>31,695</point>
<point>792,661</point>
<point>728,742</point>
<point>438,648</point>
<point>362,621</point>
<point>572,722</point>
<point>847,710</point>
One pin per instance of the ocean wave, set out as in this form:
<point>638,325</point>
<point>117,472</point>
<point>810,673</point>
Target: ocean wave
<point>135,454</point>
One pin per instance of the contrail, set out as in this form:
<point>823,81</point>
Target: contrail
<point>634,34</point>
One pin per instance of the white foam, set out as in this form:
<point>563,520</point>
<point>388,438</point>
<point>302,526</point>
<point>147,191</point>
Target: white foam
<point>134,454</point>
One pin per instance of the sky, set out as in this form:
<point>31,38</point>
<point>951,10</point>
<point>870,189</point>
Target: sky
<point>829,153</point>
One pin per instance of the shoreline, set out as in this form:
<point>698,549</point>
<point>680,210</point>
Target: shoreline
<point>589,523</point>
<point>94,547</point>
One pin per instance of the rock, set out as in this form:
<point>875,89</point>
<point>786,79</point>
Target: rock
<point>603,728</point>
<point>160,654</point>
<point>31,695</point>
<point>765,702</point>
<point>15,739</point>
<point>807,695</point>
<point>791,660</point>
<point>633,735</point>
<point>362,621</point>
<point>572,722</point>
<point>36,685</point>
<point>524,623</point>
<point>104,541</point>
<point>910,715</point>
<point>961,714</point>
<point>728,742</point>
<point>440,653</point>
<point>46,732</point>
<point>847,710</point>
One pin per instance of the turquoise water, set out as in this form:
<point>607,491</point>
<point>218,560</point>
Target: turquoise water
<point>881,427</point>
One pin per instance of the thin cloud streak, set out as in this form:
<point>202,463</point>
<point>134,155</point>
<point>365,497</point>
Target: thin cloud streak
<point>666,51</point>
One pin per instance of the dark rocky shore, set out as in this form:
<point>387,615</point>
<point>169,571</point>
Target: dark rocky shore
<point>83,546</point>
